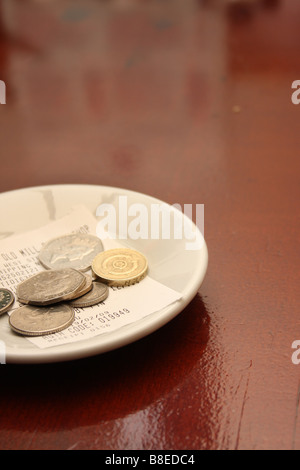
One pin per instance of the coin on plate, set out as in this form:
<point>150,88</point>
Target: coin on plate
<point>31,320</point>
<point>88,285</point>
<point>98,293</point>
<point>7,298</point>
<point>48,287</point>
<point>75,250</point>
<point>120,266</point>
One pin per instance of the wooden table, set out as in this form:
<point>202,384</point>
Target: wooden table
<point>188,101</point>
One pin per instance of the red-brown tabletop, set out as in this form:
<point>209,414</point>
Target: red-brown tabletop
<point>190,102</point>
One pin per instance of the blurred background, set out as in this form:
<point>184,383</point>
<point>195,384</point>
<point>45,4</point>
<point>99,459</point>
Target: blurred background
<point>103,89</point>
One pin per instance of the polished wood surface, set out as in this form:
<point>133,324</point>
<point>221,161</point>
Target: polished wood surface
<point>188,101</point>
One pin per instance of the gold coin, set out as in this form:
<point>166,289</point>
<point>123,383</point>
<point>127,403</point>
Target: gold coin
<point>120,266</point>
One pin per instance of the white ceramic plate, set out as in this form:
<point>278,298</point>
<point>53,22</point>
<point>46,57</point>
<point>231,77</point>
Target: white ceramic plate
<point>169,263</point>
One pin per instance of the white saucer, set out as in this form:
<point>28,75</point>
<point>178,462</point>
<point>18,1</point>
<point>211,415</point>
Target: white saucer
<point>169,261</point>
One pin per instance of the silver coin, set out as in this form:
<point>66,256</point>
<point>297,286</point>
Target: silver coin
<point>48,287</point>
<point>88,285</point>
<point>7,298</point>
<point>98,293</point>
<point>76,250</point>
<point>39,321</point>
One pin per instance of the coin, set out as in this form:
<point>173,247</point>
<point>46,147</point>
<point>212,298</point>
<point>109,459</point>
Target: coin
<point>98,293</point>
<point>48,287</point>
<point>7,298</point>
<point>38,321</point>
<point>88,285</point>
<point>120,266</point>
<point>75,250</point>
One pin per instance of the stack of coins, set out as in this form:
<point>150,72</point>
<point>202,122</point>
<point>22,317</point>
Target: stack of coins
<point>50,296</point>
<point>51,287</point>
